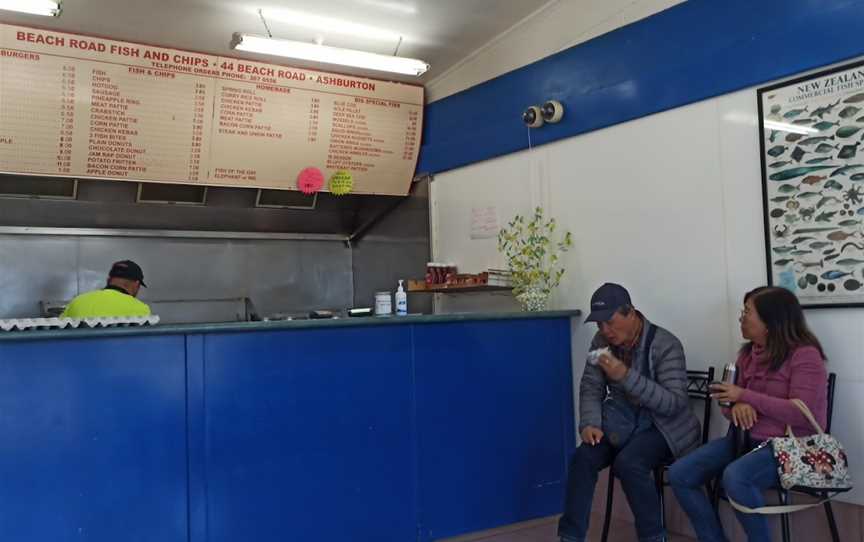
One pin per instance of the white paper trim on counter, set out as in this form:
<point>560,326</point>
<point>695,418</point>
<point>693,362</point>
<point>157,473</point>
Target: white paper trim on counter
<point>24,324</point>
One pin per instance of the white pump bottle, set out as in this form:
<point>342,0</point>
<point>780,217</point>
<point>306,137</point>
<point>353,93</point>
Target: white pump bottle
<point>401,301</point>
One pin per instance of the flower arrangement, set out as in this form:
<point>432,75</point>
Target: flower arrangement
<point>533,257</point>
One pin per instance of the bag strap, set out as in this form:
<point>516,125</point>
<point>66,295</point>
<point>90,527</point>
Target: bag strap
<point>807,414</point>
<point>779,509</point>
<point>652,332</point>
<point>647,367</point>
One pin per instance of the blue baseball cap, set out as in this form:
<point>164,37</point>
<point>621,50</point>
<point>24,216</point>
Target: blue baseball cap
<point>606,300</point>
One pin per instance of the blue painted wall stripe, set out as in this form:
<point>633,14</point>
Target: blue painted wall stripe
<point>696,50</point>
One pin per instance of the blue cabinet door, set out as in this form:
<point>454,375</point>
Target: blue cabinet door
<point>495,423</point>
<point>93,440</point>
<point>309,436</point>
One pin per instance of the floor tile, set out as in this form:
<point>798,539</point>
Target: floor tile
<point>546,531</point>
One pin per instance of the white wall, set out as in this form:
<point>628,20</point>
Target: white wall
<point>670,206</point>
<point>558,25</point>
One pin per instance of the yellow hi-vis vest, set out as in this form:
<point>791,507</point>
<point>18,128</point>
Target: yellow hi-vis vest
<point>104,303</point>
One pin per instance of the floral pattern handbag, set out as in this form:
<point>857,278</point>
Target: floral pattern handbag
<point>816,464</point>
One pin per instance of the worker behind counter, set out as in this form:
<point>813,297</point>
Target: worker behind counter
<point>116,299</point>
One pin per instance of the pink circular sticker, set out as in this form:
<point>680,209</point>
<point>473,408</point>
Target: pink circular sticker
<point>310,180</point>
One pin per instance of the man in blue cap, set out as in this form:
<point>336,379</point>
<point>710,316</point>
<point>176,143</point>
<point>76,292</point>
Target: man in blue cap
<point>633,414</point>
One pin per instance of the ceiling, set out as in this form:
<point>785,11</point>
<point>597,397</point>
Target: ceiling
<point>440,32</point>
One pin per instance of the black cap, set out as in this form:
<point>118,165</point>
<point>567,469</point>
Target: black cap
<point>127,269</point>
<point>606,300</point>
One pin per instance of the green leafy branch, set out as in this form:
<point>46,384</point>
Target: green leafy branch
<point>533,257</point>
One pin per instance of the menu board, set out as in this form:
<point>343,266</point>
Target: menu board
<point>77,106</point>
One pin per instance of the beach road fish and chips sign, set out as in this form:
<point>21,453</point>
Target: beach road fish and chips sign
<point>86,107</point>
<point>812,152</point>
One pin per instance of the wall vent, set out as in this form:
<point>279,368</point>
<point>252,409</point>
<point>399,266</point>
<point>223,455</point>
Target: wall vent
<point>177,194</point>
<point>16,186</point>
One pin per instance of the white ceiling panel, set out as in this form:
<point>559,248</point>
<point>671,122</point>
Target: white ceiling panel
<point>440,32</point>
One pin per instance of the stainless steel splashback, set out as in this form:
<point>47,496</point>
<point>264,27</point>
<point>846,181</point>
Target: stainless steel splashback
<point>284,260</point>
<point>190,280</point>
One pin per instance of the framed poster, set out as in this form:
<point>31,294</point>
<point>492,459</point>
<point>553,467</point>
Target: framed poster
<point>812,154</point>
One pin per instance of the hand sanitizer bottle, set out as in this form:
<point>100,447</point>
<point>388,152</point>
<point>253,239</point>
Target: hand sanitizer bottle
<point>401,301</point>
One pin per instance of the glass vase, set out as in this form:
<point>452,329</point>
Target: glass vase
<point>533,299</point>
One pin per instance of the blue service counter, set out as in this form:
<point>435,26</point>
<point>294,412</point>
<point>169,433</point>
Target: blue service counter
<point>372,430</point>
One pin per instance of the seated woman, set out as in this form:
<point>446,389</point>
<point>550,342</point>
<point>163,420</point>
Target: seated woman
<point>782,360</point>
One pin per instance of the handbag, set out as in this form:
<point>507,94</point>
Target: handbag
<point>816,464</point>
<point>619,421</point>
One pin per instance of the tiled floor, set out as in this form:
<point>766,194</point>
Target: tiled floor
<point>544,531</point>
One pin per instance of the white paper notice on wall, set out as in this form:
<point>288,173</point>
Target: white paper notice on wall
<point>484,222</point>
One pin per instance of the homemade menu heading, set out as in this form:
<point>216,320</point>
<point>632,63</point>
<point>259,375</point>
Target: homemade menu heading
<point>78,106</point>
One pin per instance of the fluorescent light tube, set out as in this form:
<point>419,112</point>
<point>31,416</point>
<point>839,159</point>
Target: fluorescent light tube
<point>328,55</point>
<point>391,6</point>
<point>50,8</point>
<point>786,127</point>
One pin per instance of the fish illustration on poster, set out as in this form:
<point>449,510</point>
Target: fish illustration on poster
<point>812,154</point>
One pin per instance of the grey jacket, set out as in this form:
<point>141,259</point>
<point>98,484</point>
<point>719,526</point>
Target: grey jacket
<point>663,393</point>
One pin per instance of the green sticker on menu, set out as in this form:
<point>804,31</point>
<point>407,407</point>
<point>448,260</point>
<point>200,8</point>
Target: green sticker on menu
<point>341,183</point>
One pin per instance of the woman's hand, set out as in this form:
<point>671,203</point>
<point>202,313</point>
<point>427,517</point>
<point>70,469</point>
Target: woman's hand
<point>726,392</point>
<point>744,416</point>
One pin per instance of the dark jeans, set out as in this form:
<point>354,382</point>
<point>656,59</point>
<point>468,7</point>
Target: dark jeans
<point>744,478</point>
<point>632,465</point>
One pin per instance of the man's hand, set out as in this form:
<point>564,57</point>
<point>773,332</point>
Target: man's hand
<point>744,416</point>
<point>613,367</point>
<point>592,435</point>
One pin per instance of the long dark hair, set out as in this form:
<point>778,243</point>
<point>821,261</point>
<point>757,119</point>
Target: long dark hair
<point>780,311</point>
